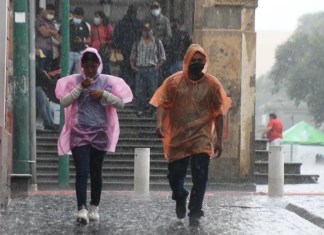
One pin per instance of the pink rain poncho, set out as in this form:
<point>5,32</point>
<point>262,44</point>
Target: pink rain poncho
<point>192,108</point>
<point>75,117</point>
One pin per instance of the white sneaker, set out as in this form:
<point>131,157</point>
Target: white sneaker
<point>94,213</point>
<point>82,216</point>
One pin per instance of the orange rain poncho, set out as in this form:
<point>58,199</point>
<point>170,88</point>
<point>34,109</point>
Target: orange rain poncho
<point>192,108</point>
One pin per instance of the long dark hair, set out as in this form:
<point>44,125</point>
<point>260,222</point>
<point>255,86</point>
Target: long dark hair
<point>102,15</point>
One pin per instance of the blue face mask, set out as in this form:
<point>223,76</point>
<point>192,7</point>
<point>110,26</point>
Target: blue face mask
<point>96,20</point>
<point>77,21</point>
<point>155,12</point>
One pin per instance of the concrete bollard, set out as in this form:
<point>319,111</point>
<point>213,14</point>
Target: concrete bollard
<point>142,171</point>
<point>275,171</point>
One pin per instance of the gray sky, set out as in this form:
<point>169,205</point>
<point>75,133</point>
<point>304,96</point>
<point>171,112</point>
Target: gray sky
<point>275,22</point>
<point>284,14</point>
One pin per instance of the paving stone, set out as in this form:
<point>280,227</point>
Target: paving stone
<point>53,212</point>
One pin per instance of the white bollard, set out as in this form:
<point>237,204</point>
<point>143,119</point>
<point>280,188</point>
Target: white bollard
<point>275,171</point>
<point>142,171</point>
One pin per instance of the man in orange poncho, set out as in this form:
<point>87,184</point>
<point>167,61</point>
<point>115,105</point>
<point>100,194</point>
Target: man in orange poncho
<point>190,108</point>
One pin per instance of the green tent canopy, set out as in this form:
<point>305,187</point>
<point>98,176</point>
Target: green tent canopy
<point>304,134</point>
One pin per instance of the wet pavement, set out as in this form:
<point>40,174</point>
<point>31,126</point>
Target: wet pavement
<point>53,212</point>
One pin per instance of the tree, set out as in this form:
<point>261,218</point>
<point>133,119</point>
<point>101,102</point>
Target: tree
<point>299,65</point>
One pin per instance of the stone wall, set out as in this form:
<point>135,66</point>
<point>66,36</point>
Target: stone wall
<point>225,28</point>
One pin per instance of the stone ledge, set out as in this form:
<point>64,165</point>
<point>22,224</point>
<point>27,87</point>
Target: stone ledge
<point>20,185</point>
<point>246,187</point>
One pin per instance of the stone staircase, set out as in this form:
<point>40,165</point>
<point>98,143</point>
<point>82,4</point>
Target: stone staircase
<point>291,170</point>
<point>118,169</point>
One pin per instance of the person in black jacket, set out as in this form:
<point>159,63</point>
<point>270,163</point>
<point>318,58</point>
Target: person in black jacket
<point>180,42</point>
<point>79,39</point>
<point>127,31</point>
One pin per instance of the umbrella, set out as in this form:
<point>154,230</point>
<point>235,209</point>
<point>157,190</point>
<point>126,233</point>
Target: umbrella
<point>304,134</point>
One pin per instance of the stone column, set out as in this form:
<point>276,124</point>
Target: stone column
<point>225,29</point>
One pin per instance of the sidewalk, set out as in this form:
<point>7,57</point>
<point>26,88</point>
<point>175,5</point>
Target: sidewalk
<point>53,212</point>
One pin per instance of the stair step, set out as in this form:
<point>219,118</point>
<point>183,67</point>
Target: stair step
<point>260,144</point>
<point>289,168</point>
<point>261,155</point>
<point>262,178</point>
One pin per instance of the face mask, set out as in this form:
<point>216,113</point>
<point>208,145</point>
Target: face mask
<point>155,12</point>
<point>196,68</point>
<point>96,20</point>
<point>77,21</point>
<point>49,17</point>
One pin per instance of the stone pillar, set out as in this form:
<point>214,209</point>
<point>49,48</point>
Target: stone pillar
<point>225,29</point>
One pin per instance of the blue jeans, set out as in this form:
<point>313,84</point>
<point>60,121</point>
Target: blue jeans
<point>146,83</point>
<point>43,107</point>
<point>88,160</point>
<point>199,171</point>
<point>74,62</point>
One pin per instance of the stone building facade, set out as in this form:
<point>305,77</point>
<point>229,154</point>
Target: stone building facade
<point>225,28</point>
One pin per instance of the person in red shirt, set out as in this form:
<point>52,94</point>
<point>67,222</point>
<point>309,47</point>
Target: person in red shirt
<point>274,130</point>
<point>101,37</point>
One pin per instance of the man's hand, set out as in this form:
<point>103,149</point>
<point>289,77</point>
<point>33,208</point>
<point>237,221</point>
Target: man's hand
<point>218,149</point>
<point>160,131</point>
<point>157,67</point>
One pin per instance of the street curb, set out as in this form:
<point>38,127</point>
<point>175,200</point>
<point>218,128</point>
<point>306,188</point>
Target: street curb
<point>306,215</point>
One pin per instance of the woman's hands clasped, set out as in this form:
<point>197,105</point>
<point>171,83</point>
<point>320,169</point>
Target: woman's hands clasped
<point>96,94</point>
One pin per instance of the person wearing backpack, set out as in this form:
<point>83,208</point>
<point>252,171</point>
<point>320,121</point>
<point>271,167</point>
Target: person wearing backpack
<point>147,57</point>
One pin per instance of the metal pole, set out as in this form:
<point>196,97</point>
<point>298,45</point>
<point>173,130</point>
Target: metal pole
<point>65,48</point>
<point>275,171</point>
<point>21,89</point>
<point>142,171</point>
<point>32,85</point>
<point>4,148</point>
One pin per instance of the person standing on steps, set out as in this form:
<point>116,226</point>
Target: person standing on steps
<point>101,37</point>
<point>127,31</point>
<point>79,39</point>
<point>146,59</point>
<point>274,129</point>
<point>91,125</point>
<point>190,109</point>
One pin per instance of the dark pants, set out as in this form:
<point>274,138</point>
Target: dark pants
<point>199,171</point>
<point>88,159</point>
<point>43,107</point>
<point>146,83</point>
<point>46,62</point>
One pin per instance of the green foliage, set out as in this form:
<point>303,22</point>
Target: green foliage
<point>299,66</point>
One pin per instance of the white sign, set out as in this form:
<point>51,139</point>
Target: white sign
<point>20,17</point>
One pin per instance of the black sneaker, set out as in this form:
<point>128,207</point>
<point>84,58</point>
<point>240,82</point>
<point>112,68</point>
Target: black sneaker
<point>196,214</point>
<point>52,127</point>
<point>181,208</point>
<point>194,217</point>
<point>194,222</point>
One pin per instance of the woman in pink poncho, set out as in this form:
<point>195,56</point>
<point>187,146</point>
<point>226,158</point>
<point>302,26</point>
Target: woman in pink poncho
<point>91,125</point>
